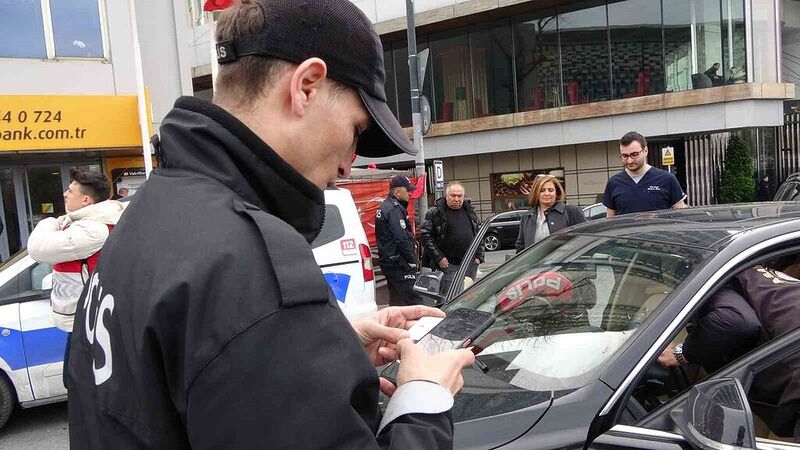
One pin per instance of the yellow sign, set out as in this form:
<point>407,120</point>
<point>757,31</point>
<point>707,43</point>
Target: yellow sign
<point>54,122</point>
<point>667,156</point>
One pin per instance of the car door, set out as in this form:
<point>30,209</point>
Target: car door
<point>44,343</point>
<point>757,372</point>
<point>12,350</point>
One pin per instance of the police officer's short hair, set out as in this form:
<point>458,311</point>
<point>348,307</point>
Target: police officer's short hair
<point>631,137</point>
<point>244,80</point>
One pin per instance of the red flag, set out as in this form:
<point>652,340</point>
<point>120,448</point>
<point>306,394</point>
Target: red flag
<point>420,187</point>
<point>215,5</point>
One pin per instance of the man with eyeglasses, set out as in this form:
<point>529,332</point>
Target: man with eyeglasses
<point>640,187</point>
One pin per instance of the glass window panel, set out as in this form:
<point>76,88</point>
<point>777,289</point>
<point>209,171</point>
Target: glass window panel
<point>637,58</point>
<point>391,88</point>
<point>583,28</point>
<point>10,216</point>
<point>46,193</point>
<point>733,42</point>
<point>493,80</point>
<point>400,51</point>
<point>451,76</point>
<point>21,29</point>
<point>536,48</point>
<point>76,28</point>
<point>692,44</point>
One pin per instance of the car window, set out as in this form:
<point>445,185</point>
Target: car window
<point>789,191</point>
<point>750,310</point>
<point>332,227</point>
<point>775,400</point>
<point>10,290</point>
<point>506,218</point>
<point>598,212</point>
<point>562,309</point>
<point>27,281</point>
<point>38,273</point>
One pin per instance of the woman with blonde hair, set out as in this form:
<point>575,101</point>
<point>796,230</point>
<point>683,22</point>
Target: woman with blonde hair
<point>548,212</point>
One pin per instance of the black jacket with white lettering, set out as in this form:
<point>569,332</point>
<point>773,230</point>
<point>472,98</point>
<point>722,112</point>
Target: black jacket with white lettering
<point>207,323</point>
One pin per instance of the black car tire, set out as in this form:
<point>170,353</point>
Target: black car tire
<point>492,242</point>
<point>7,400</point>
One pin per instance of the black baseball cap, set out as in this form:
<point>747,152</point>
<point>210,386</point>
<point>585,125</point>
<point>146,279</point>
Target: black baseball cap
<point>337,32</point>
<point>401,181</point>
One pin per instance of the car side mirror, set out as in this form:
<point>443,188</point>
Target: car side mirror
<point>429,285</point>
<point>716,415</point>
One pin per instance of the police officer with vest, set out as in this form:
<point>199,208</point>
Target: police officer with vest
<point>396,254</point>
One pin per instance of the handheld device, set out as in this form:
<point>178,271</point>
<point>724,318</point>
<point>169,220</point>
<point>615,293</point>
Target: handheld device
<point>457,330</point>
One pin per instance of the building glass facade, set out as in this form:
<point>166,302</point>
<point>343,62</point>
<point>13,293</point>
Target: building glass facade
<point>576,53</point>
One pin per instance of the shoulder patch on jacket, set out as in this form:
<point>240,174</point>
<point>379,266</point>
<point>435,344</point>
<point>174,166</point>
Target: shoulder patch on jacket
<point>299,283</point>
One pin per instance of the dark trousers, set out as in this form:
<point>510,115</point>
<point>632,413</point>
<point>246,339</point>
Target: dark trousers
<point>450,273</point>
<point>66,361</point>
<point>401,286</point>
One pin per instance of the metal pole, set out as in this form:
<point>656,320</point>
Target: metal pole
<point>416,113</point>
<point>140,97</point>
<point>212,45</point>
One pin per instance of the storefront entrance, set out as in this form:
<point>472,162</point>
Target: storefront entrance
<point>28,194</point>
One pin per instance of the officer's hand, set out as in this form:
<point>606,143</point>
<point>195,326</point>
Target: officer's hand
<point>380,333</point>
<point>477,261</point>
<point>444,263</point>
<point>667,357</point>
<point>443,368</point>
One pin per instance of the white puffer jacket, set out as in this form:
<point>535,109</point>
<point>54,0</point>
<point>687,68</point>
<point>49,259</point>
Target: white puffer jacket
<point>66,242</point>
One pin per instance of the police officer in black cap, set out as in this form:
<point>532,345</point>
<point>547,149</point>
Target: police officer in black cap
<point>396,254</point>
<point>181,354</point>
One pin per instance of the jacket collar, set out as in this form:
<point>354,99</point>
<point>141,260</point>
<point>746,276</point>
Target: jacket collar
<point>402,203</point>
<point>559,207</point>
<point>201,137</point>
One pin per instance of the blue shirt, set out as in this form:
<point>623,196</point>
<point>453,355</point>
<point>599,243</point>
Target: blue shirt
<point>658,189</point>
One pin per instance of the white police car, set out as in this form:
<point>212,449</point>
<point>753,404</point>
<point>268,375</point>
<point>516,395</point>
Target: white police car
<point>342,252</point>
<point>32,348</point>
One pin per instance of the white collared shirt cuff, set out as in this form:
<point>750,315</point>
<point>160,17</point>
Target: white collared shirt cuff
<point>417,397</point>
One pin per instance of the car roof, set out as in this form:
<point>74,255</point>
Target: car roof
<point>710,227</point>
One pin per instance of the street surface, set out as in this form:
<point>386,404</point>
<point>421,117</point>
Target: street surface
<point>44,427</point>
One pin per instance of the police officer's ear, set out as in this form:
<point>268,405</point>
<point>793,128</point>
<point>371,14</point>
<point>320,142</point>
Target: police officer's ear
<point>306,84</point>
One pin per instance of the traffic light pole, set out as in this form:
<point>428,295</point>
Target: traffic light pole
<point>416,112</point>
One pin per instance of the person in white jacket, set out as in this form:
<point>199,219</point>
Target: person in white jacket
<point>71,243</point>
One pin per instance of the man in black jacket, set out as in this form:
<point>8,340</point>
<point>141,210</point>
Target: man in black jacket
<point>226,334</point>
<point>396,254</point>
<point>759,304</point>
<point>449,229</point>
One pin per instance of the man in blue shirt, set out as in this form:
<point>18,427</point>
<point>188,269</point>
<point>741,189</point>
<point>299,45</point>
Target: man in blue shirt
<point>640,187</point>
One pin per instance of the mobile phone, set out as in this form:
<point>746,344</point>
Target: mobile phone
<point>457,330</point>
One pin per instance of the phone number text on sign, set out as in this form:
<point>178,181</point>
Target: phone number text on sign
<point>35,116</point>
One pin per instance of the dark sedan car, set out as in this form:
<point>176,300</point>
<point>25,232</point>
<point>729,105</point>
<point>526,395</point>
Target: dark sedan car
<point>789,189</point>
<point>503,230</point>
<point>582,317</point>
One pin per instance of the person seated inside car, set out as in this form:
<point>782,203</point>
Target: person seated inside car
<point>757,305</point>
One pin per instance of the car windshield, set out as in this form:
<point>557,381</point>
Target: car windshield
<point>563,309</point>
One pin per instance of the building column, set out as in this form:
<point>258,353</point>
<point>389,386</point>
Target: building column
<point>766,46</point>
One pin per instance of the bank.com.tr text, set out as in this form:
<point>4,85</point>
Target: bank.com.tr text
<point>41,118</point>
